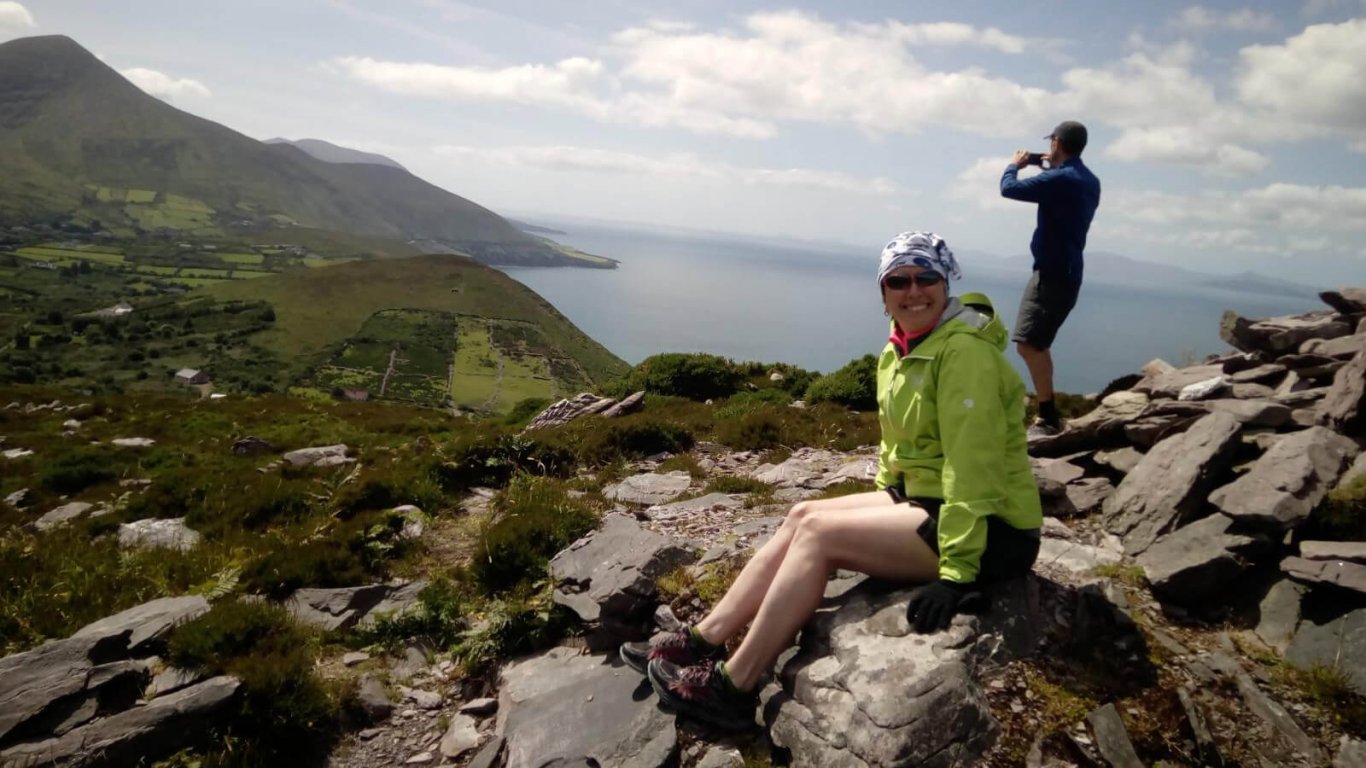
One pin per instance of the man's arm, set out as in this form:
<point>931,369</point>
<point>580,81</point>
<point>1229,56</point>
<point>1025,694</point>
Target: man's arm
<point>1035,189</point>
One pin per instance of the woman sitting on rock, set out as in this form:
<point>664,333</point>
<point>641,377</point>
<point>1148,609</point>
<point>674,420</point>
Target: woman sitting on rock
<point>956,504</point>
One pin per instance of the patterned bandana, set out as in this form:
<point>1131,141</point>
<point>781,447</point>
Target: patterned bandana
<point>921,249</point>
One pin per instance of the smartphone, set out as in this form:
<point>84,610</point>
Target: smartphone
<point>1035,158</point>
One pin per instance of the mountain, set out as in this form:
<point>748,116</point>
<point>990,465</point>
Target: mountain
<point>81,143</point>
<point>328,152</point>
<point>536,229</point>
<point>1105,267</point>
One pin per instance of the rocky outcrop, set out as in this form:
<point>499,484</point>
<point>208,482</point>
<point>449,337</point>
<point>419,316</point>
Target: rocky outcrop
<point>158,534</point>
<point>1192,565</point>
<point>585,404</point>
<point>608,578</point>
<point>341,608</point>
<point>1344,407</point>
<point>89,699</point>
<point>1289,480</point>
<point>649,488</point>
<point>323,455</point>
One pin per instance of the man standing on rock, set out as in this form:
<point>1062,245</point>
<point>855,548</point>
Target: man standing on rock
<point>1067,194</point>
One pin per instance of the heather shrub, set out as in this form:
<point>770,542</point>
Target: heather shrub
<point>695,376</point>
<point>853,386</point>
<point>533,519</point>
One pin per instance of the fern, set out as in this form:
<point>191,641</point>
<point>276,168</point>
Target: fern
<point>221,585</point>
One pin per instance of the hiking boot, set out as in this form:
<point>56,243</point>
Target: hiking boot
<point>678,647</point>
<point>700,691</point>
<point>1041,429</point>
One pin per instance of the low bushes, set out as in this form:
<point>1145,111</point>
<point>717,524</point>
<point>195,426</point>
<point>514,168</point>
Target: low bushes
<point>692,375</point>
<point>74,471</point>
<point>853,386</point>
<point>533,519</point>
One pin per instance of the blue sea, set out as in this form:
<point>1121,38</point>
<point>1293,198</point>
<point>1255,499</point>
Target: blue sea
<point>818,307</point>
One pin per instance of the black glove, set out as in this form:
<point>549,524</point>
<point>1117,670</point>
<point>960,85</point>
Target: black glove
<point>934,605</point>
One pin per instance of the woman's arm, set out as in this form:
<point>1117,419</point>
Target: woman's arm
<point>972,431</point>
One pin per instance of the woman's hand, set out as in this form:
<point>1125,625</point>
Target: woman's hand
<point>934,605</point>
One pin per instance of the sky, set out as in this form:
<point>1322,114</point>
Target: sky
<point>1227,136</point>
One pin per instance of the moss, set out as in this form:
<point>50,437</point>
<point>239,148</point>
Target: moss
<point>1129,575</point>
<point>737,484</point>
<point>1341,516</point>
<point>1329,690</point>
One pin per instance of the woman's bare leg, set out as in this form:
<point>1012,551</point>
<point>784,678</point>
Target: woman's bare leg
<point>879,541</point>
<point>741,601</point>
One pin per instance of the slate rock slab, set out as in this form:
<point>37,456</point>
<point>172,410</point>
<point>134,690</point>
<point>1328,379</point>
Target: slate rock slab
<point>649,488</point>
<point>1335,573</point>
<point>62,515</point>
<point>863,690</point>
<point>339,608</point>
<point>1193,565</point>
<point>304,457</point>
<point>1279,614</point>
<point>1074,556</point>
<point>399,600</point>
<point>1104,425</point>
<point>1333,636</point>
<point>566,708</point>
<point>1354,551</point>
<point>1112,738</point>
<point>608,578</point>
<point>149,732</point>
<point>33,680</point>
<point>1289,480</point>
<point>1348,301</point>
<point>1170,482</point>
<point>1170,383</point>
<point>144,625</point>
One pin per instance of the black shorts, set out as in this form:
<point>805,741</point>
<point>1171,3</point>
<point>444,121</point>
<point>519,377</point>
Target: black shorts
<point>1010,551</point>
<point>1044,306</point>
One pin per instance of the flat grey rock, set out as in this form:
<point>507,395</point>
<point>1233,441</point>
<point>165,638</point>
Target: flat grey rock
<point>1354,551</point>
<point>1104,424</point>
<point>399,600</point>
<point>1279,614</point>
<point>1122,460</point>
<point>158,534</point>
<point>304,457</point>
<point>1289,480</point>
<point>1170,383</point>
<point>133,442</point>
<point>1333,637</point>
<point>1112,738</point>
<point>148,623</point>
<point>32,680</point>
<point>1336,573</point>
<point>62,515</point>
<point>1170,483</point>
<point>339,608</point>
<point>563,708</point>
<point>793,472</point>
<point>461,736</point>
<point>172,679</point>
<point>693,506</point>
<point>649,488</point>
<point>1089,494</point>
<point>1073,556</point>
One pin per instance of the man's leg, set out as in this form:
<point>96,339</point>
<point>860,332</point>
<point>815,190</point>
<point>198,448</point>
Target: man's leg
<point>1040,365</point>
<point>880,541</point>
<point>741,601</point>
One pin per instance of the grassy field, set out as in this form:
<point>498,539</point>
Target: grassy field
<point>320,310</point>
<point>242,258</point>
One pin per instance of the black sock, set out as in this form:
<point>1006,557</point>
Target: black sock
<point>1048,412</point>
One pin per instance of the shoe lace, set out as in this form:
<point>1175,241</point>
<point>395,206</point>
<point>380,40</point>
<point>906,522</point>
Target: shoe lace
<point>692,681</point>
<point>677,641</point>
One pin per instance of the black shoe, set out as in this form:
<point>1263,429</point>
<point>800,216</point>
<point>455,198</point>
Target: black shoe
<point>1041,429</point>
<point>700,691</point>
<point>678,647</point>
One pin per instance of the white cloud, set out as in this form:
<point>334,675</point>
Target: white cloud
<point>1198,17</point>
<point>1317,76</point>
<point>980,185</point>
<point>163,86</point>
<point>781,66</point>
<point>591,160</point>
<point>1184,146</point>
<point>15,17</point>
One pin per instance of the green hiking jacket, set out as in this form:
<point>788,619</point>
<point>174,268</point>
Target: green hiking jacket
<point>952,414</point>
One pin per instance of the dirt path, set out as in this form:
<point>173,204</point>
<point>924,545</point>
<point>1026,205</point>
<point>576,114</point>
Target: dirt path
<point>383,385</point>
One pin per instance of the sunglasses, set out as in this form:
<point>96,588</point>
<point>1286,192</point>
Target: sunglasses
<point>924,280</point>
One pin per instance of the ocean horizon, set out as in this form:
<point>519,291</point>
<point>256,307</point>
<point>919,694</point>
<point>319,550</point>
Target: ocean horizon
<point>818,306</point>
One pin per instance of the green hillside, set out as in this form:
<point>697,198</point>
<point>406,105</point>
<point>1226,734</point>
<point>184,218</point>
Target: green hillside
<point>78,142</point>
<point>506,342</point>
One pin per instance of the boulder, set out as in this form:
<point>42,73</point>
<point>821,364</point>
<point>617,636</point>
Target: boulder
<point>1192,565</point>
<point>1344,406</point>
<point>157,729</point>
<point>1336,573</point>
<point>1347,301</point>
<point>304,457</point>
<point>863,689</point>
<point>649,488</point>
<point>373,699</point>
<point>340,608</point>
<point>1170,483</point>
<point>251,446</point>
<point>608,578</point>
<point>629,404</point>
<point>143,626</point>
<point>568,409</point>
<point>133,442</point>
<point>1089,494</point>
<point>461,736</point>
<point>566,708</point>
<point>158,534</point>
<point>1289,480</point>
<point>62,515</point>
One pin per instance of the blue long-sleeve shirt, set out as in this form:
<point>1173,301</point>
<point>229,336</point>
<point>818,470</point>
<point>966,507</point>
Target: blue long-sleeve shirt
<point>1067,196</point>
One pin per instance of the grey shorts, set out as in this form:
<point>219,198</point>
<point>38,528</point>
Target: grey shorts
<point>1010,551</point>
<point>1045,305</point>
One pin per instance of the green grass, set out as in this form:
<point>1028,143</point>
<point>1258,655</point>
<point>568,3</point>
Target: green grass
<point>242,274</point>
<point>49,253</point>
<point>221,274</point>
<point>140,196</point>
<point>242,258</point>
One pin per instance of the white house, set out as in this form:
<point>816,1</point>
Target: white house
<point>191,376</point>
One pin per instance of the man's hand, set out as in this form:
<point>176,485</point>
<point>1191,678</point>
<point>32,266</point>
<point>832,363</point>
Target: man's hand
<point>934,605</point>
<point>1021,158</point>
